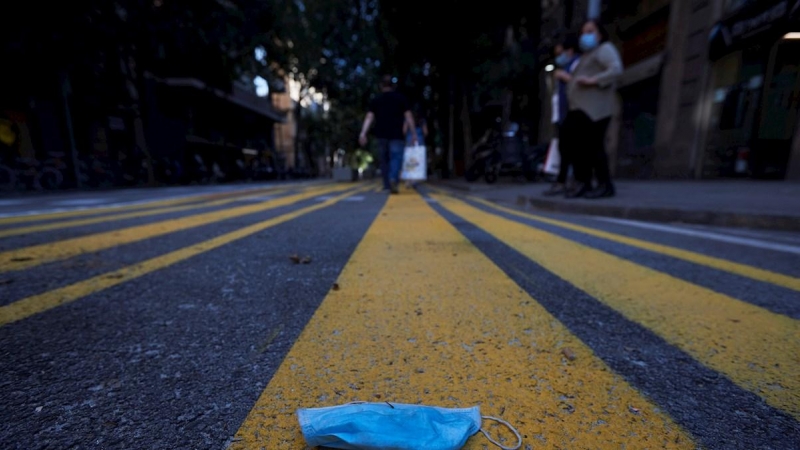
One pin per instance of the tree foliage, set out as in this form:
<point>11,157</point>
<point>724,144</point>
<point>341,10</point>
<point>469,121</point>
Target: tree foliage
<point>332,48</point>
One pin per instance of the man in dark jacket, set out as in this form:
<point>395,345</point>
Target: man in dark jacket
<point>389,110</point>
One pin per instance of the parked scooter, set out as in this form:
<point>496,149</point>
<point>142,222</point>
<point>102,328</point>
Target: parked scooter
<point>501,152</point>
<point>486,156</point>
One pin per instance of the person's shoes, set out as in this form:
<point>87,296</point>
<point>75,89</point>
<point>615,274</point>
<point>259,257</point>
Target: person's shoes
<point>580,191</point>
<point>394,189</point>
<point>602,191</point>
<point>556,189</point>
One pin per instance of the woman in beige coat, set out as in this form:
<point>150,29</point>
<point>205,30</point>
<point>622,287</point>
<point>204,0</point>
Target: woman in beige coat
<point>591,93</point>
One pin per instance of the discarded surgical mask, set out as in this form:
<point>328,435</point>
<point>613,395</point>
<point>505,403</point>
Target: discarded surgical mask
<point>394,426</point>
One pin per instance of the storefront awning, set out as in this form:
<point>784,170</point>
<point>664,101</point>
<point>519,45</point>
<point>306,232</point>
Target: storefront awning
<point>757,19</point>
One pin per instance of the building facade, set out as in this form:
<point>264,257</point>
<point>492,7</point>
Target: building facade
<point>754,90</point>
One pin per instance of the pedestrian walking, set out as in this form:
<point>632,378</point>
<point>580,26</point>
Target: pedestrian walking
<point>390,112</point>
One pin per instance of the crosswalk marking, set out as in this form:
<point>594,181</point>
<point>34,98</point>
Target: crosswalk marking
<point>130,215</point>
<point>419,315</point>
<point>422,313</point>
<point>32,256</point>
<point>63,213</point>
<point>38,303</point>
<point>744,270</point>
<point>755,348</point>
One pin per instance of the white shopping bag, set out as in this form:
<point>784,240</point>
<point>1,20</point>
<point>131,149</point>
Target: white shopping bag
<point>553,162</point>
<point>414,163</point>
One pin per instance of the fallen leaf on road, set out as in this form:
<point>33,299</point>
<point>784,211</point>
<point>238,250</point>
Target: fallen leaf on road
<point>306,260</point>
<point>335,286</point>
<point>38,409</point>
<point>568,353</point>
<point>295,259</point>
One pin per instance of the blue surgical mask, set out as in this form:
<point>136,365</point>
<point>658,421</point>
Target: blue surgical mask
<point>588,41</point>
<point>562,60</point>
<point>393,426</point>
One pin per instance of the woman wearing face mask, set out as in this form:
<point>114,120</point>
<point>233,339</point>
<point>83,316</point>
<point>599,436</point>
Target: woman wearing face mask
<point>591,94</point>
<point>567,57</point>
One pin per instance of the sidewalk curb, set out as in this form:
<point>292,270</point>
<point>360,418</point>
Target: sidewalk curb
<point>648,214</point>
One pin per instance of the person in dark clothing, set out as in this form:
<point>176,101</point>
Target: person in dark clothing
<point>567,57</point>
<point>390,111</point>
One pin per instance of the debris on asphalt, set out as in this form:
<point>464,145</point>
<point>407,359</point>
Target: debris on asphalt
<point>21,259</point>
<point>634,410</point>
<point>335,286</point>
<point>300,260</point>
<point>270,339</point>
<point>568,353</point>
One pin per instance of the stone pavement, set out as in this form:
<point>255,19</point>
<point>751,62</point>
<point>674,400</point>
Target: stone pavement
<point>736,203</point>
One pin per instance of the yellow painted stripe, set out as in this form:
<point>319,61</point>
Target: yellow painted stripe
<point>29,306</point>
<point>35,255</point>
<point>422,316</point>
<point>133,207</point>
<point>133,215</point>
<point>744,270</point>
<point>755,348</point>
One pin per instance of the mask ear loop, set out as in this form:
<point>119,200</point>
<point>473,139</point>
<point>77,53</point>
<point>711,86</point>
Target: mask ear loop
<point>513,430</point>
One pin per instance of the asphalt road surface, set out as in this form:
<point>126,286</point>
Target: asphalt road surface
<point>203,318</point>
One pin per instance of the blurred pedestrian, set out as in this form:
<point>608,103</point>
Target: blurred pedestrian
<point>567,57</point>
<point>390,111</point>
<point>591,93</point>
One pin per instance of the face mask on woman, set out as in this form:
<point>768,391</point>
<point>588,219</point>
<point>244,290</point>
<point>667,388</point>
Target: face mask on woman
<point>588,41</point>
<point>562,60</point>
